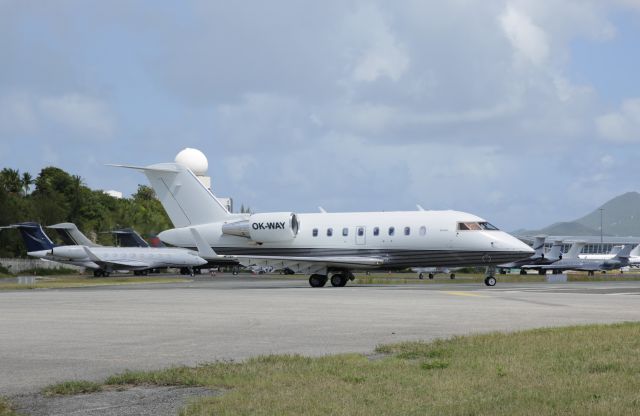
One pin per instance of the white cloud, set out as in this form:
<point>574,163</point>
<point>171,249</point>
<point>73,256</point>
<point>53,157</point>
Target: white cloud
<point>382,54</point>
<point>17,114</point>
<point>528,40</point>
<point>73,115</point>
<point>81,114</point>
<point>622,125</point>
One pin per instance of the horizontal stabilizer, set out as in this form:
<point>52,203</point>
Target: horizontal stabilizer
<point>154,168</point>
<point>185,198</point>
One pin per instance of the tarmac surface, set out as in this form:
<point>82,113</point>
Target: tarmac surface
<point>49,336</point>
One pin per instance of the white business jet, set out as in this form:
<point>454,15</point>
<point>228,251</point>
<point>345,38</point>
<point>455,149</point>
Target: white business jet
<point>328,246</point>
<point>104,260</point>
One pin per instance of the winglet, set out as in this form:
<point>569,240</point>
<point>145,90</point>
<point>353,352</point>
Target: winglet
<point>91,255</point>
<point>419,207</point>
<point>204,250</point>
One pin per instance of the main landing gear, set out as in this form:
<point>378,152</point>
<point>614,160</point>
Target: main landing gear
<point>339,279</point>
<point>489,276</point>
<point>101,273</point>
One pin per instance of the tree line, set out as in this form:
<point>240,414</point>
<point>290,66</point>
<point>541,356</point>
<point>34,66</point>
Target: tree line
<point>55,196</point>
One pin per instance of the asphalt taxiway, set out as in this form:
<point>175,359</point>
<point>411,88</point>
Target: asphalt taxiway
<point>48,336</point>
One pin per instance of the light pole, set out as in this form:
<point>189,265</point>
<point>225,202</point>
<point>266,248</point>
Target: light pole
<point>601,210</point>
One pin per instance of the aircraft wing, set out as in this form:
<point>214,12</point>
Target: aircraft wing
<point>307,265</point>
<point>133,264</point>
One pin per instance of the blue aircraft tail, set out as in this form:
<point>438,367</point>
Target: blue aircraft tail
<point>34,236</point>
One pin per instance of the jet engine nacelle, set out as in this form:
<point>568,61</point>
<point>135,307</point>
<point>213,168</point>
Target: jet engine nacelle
<point>271,227</point>
<point>69,252</point>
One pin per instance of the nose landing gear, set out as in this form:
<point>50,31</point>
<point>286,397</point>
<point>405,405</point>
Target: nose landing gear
<point>489,276</point>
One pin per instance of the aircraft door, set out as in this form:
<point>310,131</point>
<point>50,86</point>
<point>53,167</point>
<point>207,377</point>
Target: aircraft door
<point>361,235</point>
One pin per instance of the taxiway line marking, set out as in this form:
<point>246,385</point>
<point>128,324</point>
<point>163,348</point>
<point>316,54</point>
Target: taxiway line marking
<point>465,294</point>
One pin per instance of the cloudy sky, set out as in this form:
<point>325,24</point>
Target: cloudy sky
<point>523,112</point>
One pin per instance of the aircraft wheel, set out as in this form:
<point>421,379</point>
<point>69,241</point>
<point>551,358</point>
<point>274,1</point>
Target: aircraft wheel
<point>590,273</point>
<point>490,281</point>
<point>430,275</point>
<point>452,276</point>
<point>523,271</point>
<point>420,276</point>
<point>317,280</point>
<point>503,271</point>
<point>542,272</point>
<point>338,280</point>
<point>97,273</point>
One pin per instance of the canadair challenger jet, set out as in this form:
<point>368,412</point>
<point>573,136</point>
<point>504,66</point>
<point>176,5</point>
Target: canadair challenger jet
<point>328,246</point>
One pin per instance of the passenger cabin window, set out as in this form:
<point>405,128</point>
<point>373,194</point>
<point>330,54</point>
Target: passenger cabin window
<point>360,231</point>
<point>475,226</point>
<point>392,230</point>
<point>376,231</point>
<point>423,230</point>
<point>329,232</point>
<point>407,230</point>
<point>345,231</point>
<point>315,232</point>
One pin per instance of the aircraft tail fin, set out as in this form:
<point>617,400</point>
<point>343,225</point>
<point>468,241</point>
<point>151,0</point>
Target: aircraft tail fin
<point>555,252</point>
<point>538,246</point>
<point>625,251</point>
<point>34,236</point>
<point>187,201</point>
<point>71,235</point>
<point>127,237</point>
<point>575,249</point>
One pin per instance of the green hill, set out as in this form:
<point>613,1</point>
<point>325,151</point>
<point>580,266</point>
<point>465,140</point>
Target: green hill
<point>620,217</point>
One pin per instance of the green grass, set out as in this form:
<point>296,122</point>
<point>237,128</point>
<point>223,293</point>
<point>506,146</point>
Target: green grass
<point>71,388</point>
<point>60,282</point>
<point>6,409</point>
<point>585,370</point>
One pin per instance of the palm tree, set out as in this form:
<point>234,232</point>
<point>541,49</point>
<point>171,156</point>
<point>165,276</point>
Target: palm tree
<point>10,180</point>
<point>27,181</point>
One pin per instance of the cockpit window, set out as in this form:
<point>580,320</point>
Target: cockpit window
<point>474,226</point>
<point>488,226</point>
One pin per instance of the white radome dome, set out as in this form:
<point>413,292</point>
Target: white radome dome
<point>193,159</point>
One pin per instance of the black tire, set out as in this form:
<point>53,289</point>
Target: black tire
<point>420,276</point>
<point>542,272</point>
<point>452,276</point>
<point>523,272</point>
<point>490,281</point>
<point>97,273</point>
<point>338,280</point>
<point>317,280</point>
<point>431,276</point>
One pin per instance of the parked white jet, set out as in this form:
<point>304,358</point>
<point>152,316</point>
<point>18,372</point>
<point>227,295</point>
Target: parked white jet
<point>104,260</point>
<point>326,244</point>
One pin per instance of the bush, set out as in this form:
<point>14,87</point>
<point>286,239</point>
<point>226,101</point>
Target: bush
<point>40,271</point>
<point>4,270</point>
